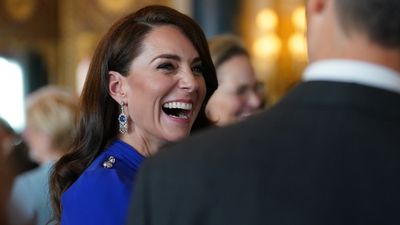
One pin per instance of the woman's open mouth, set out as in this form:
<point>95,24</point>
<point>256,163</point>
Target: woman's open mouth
<point>180,110</point>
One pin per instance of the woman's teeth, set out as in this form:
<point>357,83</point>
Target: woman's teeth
<point>178,105</point>
<point>178,109</point>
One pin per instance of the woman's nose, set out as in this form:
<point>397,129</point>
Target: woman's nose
<point>188,81</point>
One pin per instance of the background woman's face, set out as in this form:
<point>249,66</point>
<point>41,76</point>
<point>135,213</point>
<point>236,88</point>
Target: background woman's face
<point>237,96</point>
<point>165,86</point>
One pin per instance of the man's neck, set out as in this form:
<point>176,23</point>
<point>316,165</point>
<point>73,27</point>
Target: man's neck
<point>358,47</point>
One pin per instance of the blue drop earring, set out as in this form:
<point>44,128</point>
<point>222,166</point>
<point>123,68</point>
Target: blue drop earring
<point>123,120</point>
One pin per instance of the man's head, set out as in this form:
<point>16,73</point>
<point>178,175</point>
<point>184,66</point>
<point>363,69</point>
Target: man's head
<point>342,28</point>
<point>378,19</point>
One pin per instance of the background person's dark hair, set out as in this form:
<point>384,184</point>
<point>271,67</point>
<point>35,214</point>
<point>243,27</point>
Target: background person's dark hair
<point>379,19</point>
<point>98,124</point>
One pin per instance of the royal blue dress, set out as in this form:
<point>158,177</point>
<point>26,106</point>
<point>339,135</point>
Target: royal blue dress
<point>102,193</point>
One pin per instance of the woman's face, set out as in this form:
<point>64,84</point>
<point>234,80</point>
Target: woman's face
<point>237,95</point>
<point>165,87</point>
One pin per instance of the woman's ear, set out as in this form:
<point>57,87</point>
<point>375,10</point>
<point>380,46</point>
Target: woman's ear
<point>116,86</point>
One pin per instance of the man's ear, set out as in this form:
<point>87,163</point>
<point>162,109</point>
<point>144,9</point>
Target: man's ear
<point>116,87</point>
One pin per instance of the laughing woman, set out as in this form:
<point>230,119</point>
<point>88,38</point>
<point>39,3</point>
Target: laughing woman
<point>149,81</point>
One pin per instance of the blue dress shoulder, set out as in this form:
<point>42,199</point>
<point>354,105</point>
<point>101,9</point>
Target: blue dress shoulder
<point>102,193</point>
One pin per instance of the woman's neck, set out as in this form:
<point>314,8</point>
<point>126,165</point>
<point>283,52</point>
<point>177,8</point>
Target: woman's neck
<point>145,145</point>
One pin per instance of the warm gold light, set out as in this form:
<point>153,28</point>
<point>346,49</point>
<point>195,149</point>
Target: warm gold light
<point>267,46</point>
<point>115,6</point>
<point>298,46</point>
<point>266,19</point>
<point>299,18</point>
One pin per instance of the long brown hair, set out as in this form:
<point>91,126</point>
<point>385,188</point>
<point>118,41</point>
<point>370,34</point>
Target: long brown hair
<point>98,124</point>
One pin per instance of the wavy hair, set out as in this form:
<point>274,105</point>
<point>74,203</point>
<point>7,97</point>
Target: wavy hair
<point>97,127</point>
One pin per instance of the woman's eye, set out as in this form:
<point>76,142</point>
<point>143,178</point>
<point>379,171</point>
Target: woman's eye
<point>198,69</point>
<point>166,66</point>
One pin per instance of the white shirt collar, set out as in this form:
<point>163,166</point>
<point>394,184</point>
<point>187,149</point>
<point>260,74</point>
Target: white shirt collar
<point>352,71</point>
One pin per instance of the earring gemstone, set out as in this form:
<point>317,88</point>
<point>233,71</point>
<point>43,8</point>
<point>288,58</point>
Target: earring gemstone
<point>122,118</point>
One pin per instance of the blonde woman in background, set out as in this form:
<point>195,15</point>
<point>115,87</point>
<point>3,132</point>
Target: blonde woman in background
<point>239,94</point>
<point>51,117</point>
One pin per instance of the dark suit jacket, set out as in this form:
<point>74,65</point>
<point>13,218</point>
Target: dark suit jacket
<point>327,154</point>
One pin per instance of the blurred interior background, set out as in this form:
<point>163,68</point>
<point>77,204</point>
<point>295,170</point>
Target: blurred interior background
<point>51,41</point>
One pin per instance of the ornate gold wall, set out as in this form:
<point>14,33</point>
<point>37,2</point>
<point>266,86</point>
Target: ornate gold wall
<point>274,31</point>
<point>30,26</point>
<point>63,31</point>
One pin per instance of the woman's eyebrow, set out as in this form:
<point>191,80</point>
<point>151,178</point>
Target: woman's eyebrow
<point>167,56</point>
